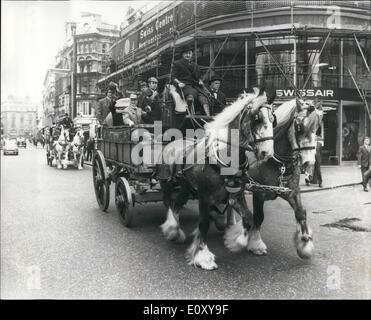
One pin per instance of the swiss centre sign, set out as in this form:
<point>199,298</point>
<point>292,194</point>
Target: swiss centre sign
<point>321,93</point>
<point>156,30</point>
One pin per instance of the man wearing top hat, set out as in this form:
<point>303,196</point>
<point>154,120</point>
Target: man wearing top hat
<point>186,76</point>
<point>219,102</point>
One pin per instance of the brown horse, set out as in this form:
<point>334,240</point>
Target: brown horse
<point>294,145</point>
<point>212,179</point>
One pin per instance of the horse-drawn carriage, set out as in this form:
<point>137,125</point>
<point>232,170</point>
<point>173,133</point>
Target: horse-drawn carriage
<point>66,146</point>
<point>274,172</point>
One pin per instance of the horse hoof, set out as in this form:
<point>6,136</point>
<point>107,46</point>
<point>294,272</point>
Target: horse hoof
<point>305,250</point>
<point>208,266</point>
<point>205,259</point>
<point>236,237</point>
<point>257,248</point>
<point>304,247</point>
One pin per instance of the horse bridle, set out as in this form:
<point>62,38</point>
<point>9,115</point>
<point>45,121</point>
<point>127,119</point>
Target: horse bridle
<point>299,123</point>
<point>244,114</point>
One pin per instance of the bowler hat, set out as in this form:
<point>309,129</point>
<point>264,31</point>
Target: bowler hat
<point>186,49</point>
<point>112,86</point>
<point>216,78</point>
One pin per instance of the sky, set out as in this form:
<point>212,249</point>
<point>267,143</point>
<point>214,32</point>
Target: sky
<point>32,32</point>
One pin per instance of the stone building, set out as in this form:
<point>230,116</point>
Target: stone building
<point>18,117</point>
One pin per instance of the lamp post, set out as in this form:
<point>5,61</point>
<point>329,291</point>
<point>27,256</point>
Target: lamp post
<point>73,74</point>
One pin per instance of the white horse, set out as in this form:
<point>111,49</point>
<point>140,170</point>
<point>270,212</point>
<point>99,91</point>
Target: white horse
<point>61,147</point>
<point>78,148</point>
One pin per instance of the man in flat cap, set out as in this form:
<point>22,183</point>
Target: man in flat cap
<point>150,97</point>
<point>186,76</point>
<point>219,102</point>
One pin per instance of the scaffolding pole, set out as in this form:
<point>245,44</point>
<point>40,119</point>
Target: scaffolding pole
<point>360,50</point>
<point>314,63</point>
<point>360,93</point>
<point>279,67</point>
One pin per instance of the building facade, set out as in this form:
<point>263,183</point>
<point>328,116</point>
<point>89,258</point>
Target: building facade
<point>70,84</point>
<point>18,117</point>
<point>321,48</point>
<point>48,99</point>
<point>92,40</point>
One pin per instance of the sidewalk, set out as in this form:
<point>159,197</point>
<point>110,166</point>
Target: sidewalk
<point>334,177</point>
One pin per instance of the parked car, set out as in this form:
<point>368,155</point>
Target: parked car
<point>21,142</point>
<point>10,147</point>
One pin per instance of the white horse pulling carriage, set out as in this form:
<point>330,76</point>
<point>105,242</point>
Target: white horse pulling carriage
<point>64,150</point>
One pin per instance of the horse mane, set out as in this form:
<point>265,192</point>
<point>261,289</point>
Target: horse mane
<point>284,115</point>
<point>217,128</point>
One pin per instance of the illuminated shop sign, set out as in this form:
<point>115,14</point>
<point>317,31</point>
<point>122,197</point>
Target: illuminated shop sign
<point>328,93</point>
<point>322,93</point>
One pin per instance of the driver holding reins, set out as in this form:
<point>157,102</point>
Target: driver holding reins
<point>186,76</point>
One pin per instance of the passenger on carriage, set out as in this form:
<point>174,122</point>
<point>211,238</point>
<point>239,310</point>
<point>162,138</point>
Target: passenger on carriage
<point>105,105</point>
<point>219,101</point>
<point>66,122</point>
<point>130,114</point>
<point>150,97</point>
<point>186,76</point>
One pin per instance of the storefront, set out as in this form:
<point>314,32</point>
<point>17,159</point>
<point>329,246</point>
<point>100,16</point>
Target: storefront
<point>321,47</point>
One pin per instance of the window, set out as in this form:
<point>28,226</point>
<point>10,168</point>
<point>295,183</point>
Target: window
<point>89,66</point>
<point>84,108</point>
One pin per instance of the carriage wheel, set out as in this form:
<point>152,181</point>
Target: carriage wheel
<point>101,184</point>
<point>124,201</point>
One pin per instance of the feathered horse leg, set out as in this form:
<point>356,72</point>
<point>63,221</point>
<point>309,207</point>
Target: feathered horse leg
<point>236,236</point>
<point>171,227</point>
<point>198,254</point>
<point>303,238</point>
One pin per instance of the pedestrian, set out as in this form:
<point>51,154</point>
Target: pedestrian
<point>219,100</point>
<point>186,76</point>
<point>364,155</point>
<point>317,174</point>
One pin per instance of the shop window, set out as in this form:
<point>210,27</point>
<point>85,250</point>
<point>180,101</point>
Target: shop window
<point>351,121</point>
